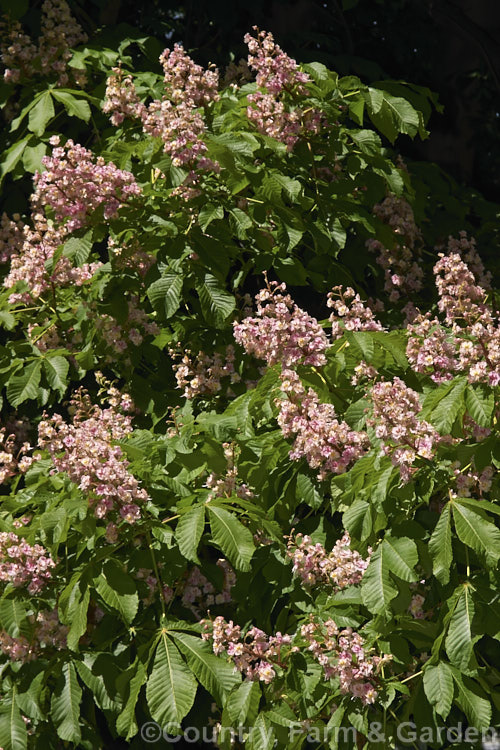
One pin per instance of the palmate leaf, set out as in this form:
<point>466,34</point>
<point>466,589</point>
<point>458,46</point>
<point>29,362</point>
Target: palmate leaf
<point>439,687</point>
<point>440,547</point>
<point>234,539</point>
<point>189,530</point>
<point>215,674</point>
<point>171,686</point>
<point>476,532</point>
<point>396,555</point>
<point>459,638</point>
<point>65,705</point>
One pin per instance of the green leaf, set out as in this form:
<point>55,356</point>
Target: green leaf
<point>475,707</point>
<point>480,403</point>
<point>261,734</point>
<point>243,702</point>
<point>96,683</point>
<point>32,157</point>
<point>12,615</point>
<point>56,371</point>
<point>240,222</point>
<point>165,294</point>
<point>367,140</point>
<point>41,113</point>
<point>126,725</point>
<point>118,590</point>
<point>438,687</point>
<point>449,406</point>
<point>474,531</point>
<point>459,638</point>
<point>189,530</point>
<point>216,303</point>
<point>73,106</point>
<point>171,687</point>
<point>78,249</point>
<point>75,615</point>
<point>209,213</point>
<point>234,539</point>
<point>25,386</point>
<point>400,555</point>
<point>215,674</point>
<point>13,734</point>
<point>377,588</point>
<point>7,320</point>
<point>12,156</point>
<point>393,555</point>
<point>440,546</point>
<point>307,492</point>
<point>65,705</point>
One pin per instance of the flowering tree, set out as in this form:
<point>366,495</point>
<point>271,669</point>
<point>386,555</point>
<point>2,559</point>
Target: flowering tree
<point>222,508</point>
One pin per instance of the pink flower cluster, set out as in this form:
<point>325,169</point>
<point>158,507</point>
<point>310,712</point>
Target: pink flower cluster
<point>199,593</point>
<point>229,484</point>
<point>416,608</point>
<point>364,372</point>
<point>48,633</point>
<point>350,313</point>
<point>175,118</point>
<point>471,343</point>
<point>121,99</point>
<point>119,337</point>
<point>327,444</point>
<point>278,74</point>
<point>472,483</point>
<point>343,657</point>
<point>339,568</point>
<point>24,565</point>
<point>75,184</point>
<point>29,258</point>
<point>86,451</point>
<point>58,33</point>
<point>201,375</point>
<point>254,654</point>
<point>14,448</point>
<point>281,332</point>
<point>395,419</point>
<point>402,272</point>
<point>11,236</point>
<point>146,575</point>
<point>130,255</point>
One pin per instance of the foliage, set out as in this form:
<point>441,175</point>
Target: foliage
<point>230,513</point>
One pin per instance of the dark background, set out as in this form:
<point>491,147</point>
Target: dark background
<point>451,46</point>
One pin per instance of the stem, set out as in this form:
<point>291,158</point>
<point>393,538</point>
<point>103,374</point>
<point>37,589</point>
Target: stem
<point>407,679</point>
<point>157,574</point>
